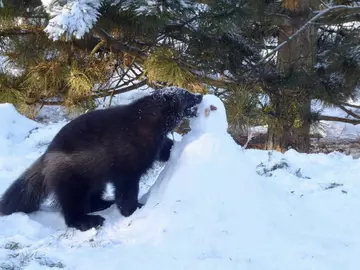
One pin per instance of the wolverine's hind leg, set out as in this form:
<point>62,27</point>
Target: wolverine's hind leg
<point>73,194</point>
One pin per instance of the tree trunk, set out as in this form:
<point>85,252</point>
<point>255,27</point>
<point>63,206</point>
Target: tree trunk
<point>290,129</point>
<point>286,131</point>
<point>301,134</point>
<point>278,137</point>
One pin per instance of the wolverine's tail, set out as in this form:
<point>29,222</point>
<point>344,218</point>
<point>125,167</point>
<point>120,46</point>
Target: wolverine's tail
<point>27,192</point>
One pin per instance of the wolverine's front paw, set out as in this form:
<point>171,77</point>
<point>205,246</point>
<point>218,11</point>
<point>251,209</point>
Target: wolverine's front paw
<point>140,205</point>
<point>87,222</point>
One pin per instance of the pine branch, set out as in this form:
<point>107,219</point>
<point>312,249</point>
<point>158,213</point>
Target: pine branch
<point>319,15</point>
<point>225,13</point>
<point>338,119</point>
<point>17,31</point>
<point>349,112</point>
<point>341,14</point>
<point>118,46</point>
<point>101,94</point>
<point>340,20</point>
<point>48,103</point>
<point>97,47</point>
<point>351,105</point>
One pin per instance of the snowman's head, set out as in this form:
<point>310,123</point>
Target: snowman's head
<point>211,116</point>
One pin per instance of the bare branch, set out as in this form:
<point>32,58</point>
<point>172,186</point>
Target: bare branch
<point>125,73</point>
<point>341,14</point>
<point>118,46</point>
<point>351,105</point>
<point>48,103</point>
<point>349,112</point>
<point>338,119</point>
<point>20,31</point>
<point>340,20</point>
<point>121,90</point>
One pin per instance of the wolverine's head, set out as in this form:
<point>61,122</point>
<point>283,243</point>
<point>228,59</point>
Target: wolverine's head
<point>177,104</point>
<point>190,103</point>
<point>180,100</point>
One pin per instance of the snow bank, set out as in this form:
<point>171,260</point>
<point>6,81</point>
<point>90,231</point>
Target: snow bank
<point>21,142</point>
<point>216,206</point>
<point>15,127</point>
<point>213,206</point>
<point>205,203</point>
<point>198,147</point>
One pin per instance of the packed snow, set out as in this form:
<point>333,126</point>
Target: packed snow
<point>213,205</point>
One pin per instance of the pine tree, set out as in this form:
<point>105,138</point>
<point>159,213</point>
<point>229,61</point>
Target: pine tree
<point>287,53</point>
<point>314,57</point>
<point>315,62</point>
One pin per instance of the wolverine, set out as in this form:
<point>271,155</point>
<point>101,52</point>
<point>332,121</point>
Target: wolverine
<point>115,145</point>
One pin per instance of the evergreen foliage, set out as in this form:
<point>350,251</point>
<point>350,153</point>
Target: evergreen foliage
<point>63,49</point>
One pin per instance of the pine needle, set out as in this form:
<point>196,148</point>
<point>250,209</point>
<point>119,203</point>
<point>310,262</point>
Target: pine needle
<point>161,66</point>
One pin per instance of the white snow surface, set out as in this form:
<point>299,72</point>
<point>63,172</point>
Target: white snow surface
<point>213,206</point>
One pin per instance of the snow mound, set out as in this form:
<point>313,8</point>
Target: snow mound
<point>14,126</point>
<point>197,148</point>
<point>213,206</point>
<point>200,200</point>
<point>21,141</point>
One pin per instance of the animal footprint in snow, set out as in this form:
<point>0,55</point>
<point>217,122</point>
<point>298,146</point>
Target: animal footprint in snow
<point>207,110</point>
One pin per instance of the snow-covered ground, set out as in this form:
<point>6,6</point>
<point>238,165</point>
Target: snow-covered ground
<point>213,206</point>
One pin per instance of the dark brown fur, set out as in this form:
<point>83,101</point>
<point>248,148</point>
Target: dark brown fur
<point>116,145</point>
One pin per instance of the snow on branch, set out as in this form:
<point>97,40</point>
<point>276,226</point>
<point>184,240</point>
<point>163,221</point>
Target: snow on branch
<point>74,18</point>
<point>154,7</point>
